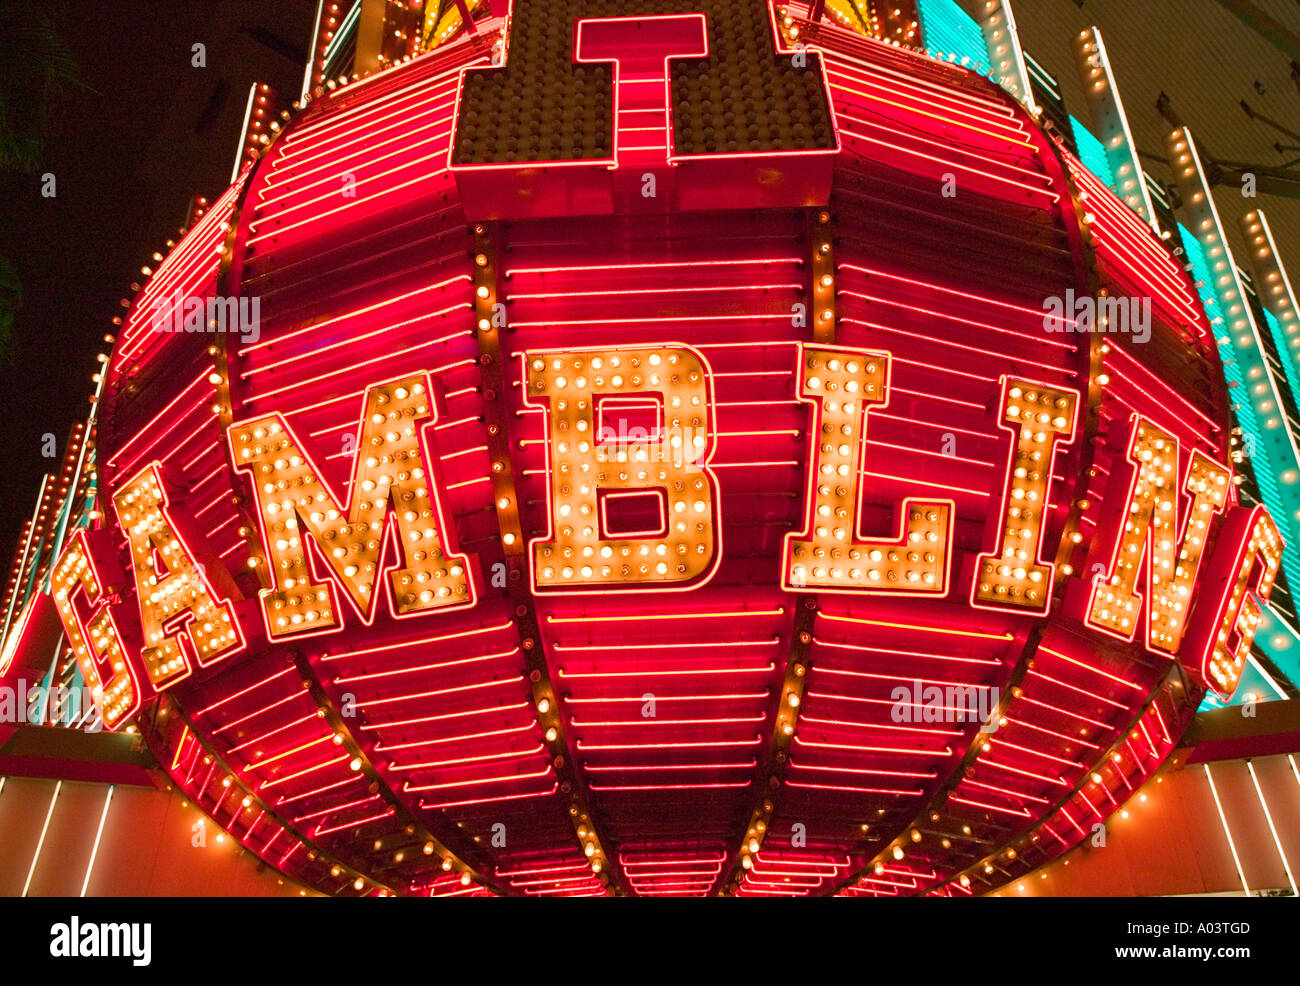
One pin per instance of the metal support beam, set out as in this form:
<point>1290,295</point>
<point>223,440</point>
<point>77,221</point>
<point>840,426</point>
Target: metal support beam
<point>1270,29</point>
<point>1268,121</point>
<point>1269,181</point>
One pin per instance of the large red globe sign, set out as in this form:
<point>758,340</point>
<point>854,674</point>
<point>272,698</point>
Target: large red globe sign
<point>661,449</point>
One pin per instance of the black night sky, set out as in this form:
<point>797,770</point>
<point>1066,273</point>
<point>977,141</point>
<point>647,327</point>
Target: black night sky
<point>136,135</point>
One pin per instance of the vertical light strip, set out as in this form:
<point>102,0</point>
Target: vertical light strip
<point>49,694</point>
<point>66,519</point>
<point>1290,759</point>
<point>1231,845</point>
<point>349,22</point>
<point>90,866</point>
<point>1238,338</point>
<point>1005,55</point>
<point>1112,124</point>
<point>22,564</point>
<point>311,58</point>
<point>180,745</point>
<point>1239,323</point>
<point>243,133</point>
<point>1272,283</point>
<point>41,844</point>
<point>1286,865</point>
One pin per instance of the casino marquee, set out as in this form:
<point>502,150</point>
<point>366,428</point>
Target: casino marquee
<point>601,449</point>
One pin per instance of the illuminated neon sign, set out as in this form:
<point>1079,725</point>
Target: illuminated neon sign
<point>764,424</point>
<point>588,112</point>
<point>390,478</point>
<point>391,537</point>
<point>843,385</point>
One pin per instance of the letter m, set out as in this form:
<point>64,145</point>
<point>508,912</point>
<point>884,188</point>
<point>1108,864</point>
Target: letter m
<point>390,478</point>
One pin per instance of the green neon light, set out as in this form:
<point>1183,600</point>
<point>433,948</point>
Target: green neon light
<point>1092,153</point>
<point>953,35</point>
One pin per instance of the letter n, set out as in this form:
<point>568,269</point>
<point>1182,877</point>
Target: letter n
<point>1144,534</point>
<point>1238,582</point>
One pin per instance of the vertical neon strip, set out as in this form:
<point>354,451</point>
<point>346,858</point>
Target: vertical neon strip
<point>340,34</point>
<point>180,745</point>
<point>22,565</point>
<point>1222,818</point>
<point>1005,54</point>
<point>243,130</point>
<point>66,516</point>
<point>47,686</point>
<point>1286,865</point>
<point>94,851</point>
<point>1275,292</point>
<point>311,58</point>
<point>1112,123</point>
<point>1240,335</point>
<point>41,844</point>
